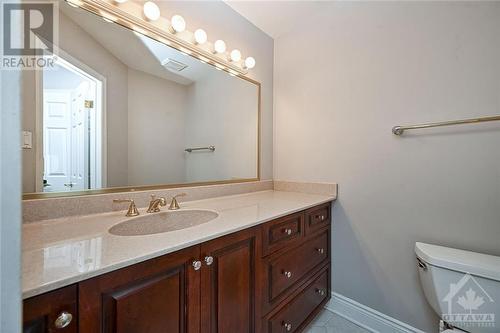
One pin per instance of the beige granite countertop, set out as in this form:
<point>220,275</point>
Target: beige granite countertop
<point>59,252</point>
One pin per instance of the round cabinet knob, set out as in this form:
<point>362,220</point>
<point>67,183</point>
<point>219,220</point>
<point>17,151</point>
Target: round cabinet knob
<point>288,326</point>
<point>287,274</point>
<point>320,250</point>
<point>288,231</point>
<point>63,320</point>
<point>196,265</point>
<point>209,260</point>
<point>321,292</point>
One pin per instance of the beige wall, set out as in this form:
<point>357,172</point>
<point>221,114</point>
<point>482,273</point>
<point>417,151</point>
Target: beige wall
<point>365,67</point>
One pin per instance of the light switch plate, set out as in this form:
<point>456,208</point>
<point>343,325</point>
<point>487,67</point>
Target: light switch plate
<point>27,140</point>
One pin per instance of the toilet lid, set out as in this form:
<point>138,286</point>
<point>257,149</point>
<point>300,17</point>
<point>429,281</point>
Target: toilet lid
<point>474,263</point>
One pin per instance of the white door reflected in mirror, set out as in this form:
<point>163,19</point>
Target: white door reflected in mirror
<point>70,126</point>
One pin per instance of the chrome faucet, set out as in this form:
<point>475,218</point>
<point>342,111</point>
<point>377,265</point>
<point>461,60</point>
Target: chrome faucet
<point>154,204</point>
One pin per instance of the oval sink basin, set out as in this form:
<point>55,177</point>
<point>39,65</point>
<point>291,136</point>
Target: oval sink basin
<point>162,222</point>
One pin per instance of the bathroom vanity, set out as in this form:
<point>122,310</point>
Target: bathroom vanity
<point>269,271</point>
<point>131,109</point>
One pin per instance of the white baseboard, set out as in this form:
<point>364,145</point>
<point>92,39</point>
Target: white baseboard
<point>368,318</point>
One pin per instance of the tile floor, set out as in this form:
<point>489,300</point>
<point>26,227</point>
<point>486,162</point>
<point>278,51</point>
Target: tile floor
<point>328,322</point>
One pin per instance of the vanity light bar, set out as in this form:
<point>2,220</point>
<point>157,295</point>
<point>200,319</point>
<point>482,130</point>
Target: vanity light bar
<point>147,21</point>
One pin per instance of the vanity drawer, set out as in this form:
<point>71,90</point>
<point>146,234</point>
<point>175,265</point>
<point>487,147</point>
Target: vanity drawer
<point>292,266</point>
<point>294,316</point>
<point>317,218</point>
<point>281,232</point>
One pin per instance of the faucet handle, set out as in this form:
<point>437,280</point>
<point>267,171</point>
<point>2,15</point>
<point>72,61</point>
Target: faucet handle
<point>174,205</point>
<point>132,208</point>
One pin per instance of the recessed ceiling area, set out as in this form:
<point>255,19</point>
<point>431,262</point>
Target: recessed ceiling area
<point>276,18</point>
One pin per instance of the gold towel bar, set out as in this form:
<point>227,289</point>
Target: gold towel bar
<point>399,130</point>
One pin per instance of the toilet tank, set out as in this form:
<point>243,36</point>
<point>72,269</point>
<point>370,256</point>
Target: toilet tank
<point>462,287</point>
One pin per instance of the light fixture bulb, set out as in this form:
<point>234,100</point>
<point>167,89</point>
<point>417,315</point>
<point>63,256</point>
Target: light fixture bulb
<point>220,46</point>
<point>151,11</point>
<point>178,23</point>
<point>250,62</point>
<point>200,36</point>
<point>235,55</point>
<point>120,1</point>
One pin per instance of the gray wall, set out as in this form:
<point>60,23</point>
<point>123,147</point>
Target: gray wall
<point>222,22</point>
<point>10,202</point>
<point>221,112</point>
<point>340,88</point>
<point>156,126</point>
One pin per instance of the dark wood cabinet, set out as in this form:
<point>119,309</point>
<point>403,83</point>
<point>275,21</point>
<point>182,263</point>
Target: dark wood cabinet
<point>55,311</point>
<point>161,295</point>
<point>270,278</point>
<point>228,284</point>
<point>285,270</point>
<point>281,232</point>
<point>318,218</point>
<point>303,306</point>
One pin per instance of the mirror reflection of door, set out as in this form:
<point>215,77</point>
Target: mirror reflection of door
<point>70,124</point>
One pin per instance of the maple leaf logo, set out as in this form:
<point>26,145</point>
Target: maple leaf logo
<point>470,301</point>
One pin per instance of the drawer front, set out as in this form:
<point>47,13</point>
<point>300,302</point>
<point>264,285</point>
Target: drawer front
<point>294,265</point>
<point>318,218</point>
<point>293,317</point>
<point>281,232</point>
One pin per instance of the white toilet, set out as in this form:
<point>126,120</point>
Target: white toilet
<point>463,287</point>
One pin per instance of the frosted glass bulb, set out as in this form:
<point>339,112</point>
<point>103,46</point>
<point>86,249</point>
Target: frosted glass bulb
<point>235,55</point>
<point>220,46</point>
<point>120,1</point>
<point>178,23</point>
<point>249,62</point>
<point>200,36</point>
<point>151,11</point>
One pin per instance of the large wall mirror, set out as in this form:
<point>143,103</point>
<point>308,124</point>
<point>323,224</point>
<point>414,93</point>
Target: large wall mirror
<point>122,111</point>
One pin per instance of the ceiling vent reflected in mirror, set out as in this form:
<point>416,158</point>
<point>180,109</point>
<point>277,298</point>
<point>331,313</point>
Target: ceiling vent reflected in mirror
<point>173,65</point>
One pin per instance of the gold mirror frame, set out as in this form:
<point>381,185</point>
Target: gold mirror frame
<point>108,11</point>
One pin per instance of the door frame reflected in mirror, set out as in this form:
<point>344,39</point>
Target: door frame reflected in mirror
<point>97,144</point>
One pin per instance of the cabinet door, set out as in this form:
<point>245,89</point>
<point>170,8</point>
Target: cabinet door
<point>161,295</point>
<point>52,312</point>
<point>228,283</point>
